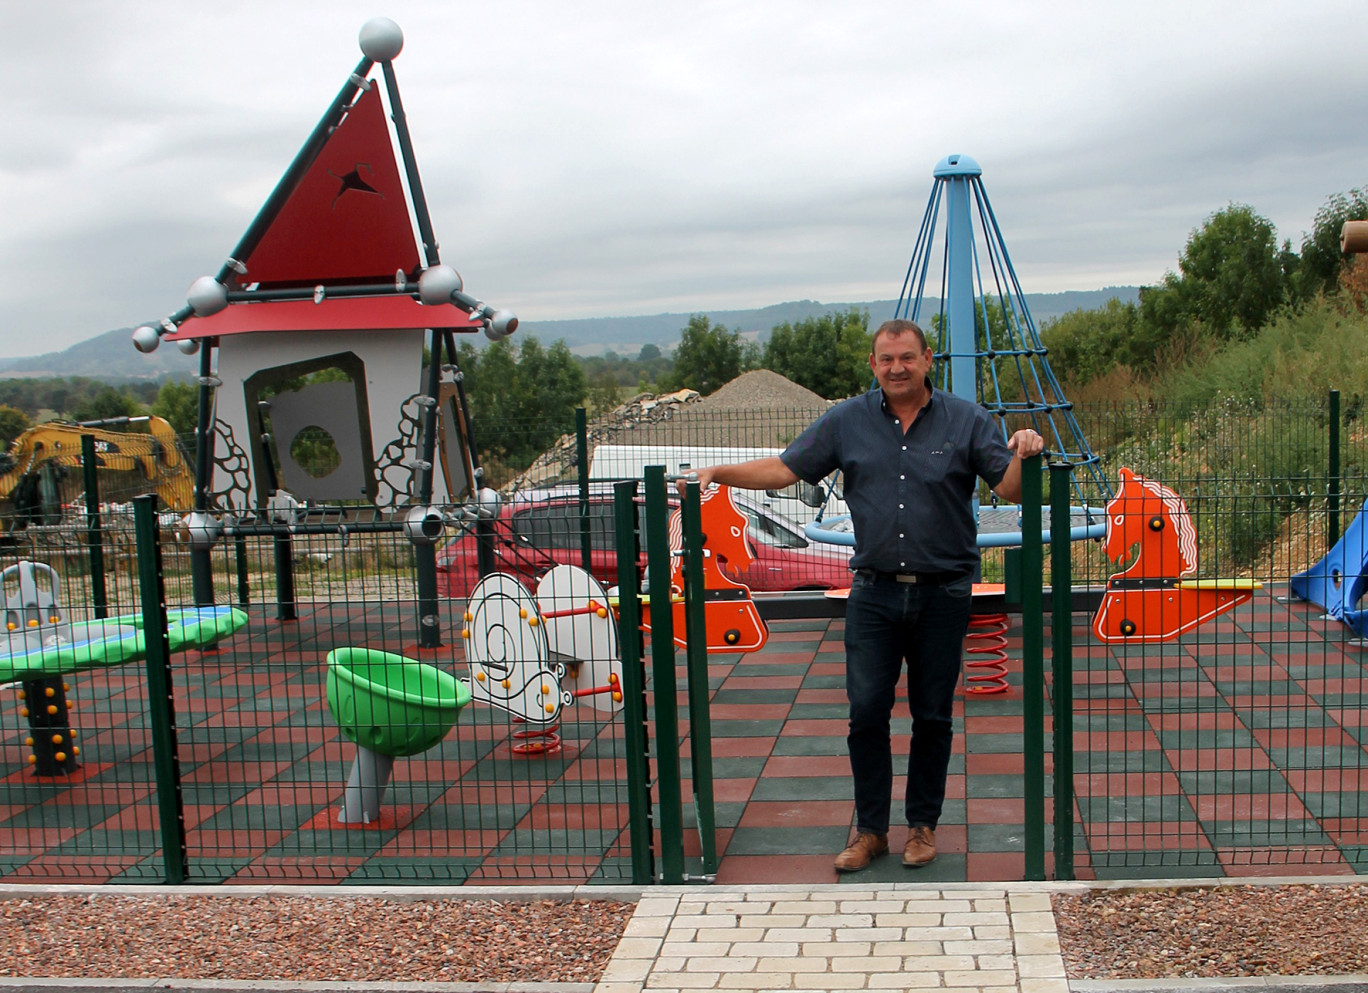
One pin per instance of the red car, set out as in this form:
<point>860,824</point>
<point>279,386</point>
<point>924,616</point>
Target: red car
<point>538,529</point>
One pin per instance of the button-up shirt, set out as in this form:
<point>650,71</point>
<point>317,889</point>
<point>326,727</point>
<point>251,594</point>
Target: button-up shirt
<point>910,493</point>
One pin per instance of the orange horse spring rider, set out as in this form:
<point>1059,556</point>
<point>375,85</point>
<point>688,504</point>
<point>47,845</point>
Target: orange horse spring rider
<point>731,621</point>
<point>1151,601</point>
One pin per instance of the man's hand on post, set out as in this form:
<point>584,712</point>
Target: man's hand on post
<point>704,477</point>
<point>1026,443</point>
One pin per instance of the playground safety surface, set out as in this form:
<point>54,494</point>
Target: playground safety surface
<point>1235,751</point>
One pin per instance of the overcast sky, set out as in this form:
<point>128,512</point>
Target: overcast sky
<point>604,158</point>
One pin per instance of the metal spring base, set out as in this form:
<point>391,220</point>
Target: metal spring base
<point>986,646</point>
<point>537,741</point>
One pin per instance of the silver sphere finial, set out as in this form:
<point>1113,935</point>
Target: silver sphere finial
<point>437,283</point>
<point>146,339</point>
<point>487,502</point>
<point>206,296</point>
<point>502,323</point>
<point>381,39</point>
<point>188,346</point>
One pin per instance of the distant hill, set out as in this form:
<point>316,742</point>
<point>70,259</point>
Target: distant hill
<point>111,356</point>
<point>626,335</point>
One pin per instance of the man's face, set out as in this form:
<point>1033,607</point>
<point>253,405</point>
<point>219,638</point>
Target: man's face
<point>900,364</point>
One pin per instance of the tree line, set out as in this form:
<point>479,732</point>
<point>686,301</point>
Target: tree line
<point>1234,285</point>
<point>26,402</point>
<point>1237,298</point>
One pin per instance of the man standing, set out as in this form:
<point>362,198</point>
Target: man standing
<point>911,457</point>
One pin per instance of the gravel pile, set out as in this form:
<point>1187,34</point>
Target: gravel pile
<point>301,939</point>
<point>1219,932</point>
<point>761,389</point>
<point>758,409</point>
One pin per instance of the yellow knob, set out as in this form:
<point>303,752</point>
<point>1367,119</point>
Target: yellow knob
<point>602,612</point>
<point>522,614</point>
<point>504,683</point>
<point>33,623</point>
<point>550,708</point>
<point>480,677</point>
<point>532,622</point>
<point>465,632</point>
<point>23,695</point>
<point>54,618</point>
<point>29,741</point>
<point>468,616</point>
<point>49,692</point>
<point>12,625</point>
<point>23,711</point>
<point>52,708</point>
<point>75,750</point>
<point>33,760</point>
<point>60,756</point>
<point>617,697</point>
<point>545,689</point>
<point>56,739</point>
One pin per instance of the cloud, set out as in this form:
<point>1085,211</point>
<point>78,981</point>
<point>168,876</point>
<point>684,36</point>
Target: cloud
<point>612,158</point>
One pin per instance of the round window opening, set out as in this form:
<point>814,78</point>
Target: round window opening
<point>314,451</point>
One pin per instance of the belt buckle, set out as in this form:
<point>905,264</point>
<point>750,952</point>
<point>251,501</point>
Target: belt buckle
<point>906,577</point>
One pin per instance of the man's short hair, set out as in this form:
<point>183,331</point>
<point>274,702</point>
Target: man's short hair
<point>895,329</point>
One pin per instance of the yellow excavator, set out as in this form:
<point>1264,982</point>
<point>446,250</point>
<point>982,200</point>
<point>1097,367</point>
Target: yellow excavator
<point>41,473</point>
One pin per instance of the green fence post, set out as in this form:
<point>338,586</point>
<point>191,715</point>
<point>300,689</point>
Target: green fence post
<point>161,707</point>
<point>1061,666</point>
<point>1033,667</point>
<point>664,681</point>
<point>284,572</point>
<point>636,740</point>
<point>700,716</point>
<point>99,596</point>
<point>582,464</point>
<point>244,591</point>
<point>1333,496</point>
<point>201,560</point>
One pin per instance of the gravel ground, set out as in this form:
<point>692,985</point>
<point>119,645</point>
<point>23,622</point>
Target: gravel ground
<point>1218,932</point>
<point>297,939</point>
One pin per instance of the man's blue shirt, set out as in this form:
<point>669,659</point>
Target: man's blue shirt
<point>910,495</point>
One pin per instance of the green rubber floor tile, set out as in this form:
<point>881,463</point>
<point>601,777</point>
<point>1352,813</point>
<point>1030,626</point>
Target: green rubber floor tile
<point>805,788</point>
<point>739,767</point>
<point>754,697</point>
<point>809,745</point>
<point>819,711</point>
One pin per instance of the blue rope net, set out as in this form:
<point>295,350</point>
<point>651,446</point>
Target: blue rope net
<point>1011,371</point>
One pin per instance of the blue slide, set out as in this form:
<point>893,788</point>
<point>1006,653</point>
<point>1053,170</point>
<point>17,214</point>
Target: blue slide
<point>1337,582</point>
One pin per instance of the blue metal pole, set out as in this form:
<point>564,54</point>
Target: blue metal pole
<point>957,338</point>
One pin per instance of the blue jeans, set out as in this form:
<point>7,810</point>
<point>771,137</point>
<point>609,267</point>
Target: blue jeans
<point>888,622</point>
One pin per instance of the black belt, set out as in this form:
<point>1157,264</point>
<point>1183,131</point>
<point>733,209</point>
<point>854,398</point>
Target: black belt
<point>915,578</point>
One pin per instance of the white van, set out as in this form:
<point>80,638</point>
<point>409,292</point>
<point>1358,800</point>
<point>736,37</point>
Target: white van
<point>801,503</point>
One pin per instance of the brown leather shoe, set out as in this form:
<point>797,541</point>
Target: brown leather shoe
<point>862,851</point>
<point>921,848</point>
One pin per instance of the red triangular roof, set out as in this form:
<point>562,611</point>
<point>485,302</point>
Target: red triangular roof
<point>347,219</point>
<point>345,222</point>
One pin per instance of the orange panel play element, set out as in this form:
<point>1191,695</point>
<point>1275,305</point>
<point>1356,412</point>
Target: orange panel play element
<point>731,621</point>
<point>1151,601</point>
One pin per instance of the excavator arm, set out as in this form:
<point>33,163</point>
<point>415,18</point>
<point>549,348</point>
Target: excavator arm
<point>156,455</point>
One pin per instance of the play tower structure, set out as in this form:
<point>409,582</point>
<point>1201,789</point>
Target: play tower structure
<point>987,347</point>
<point>313,333</point>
